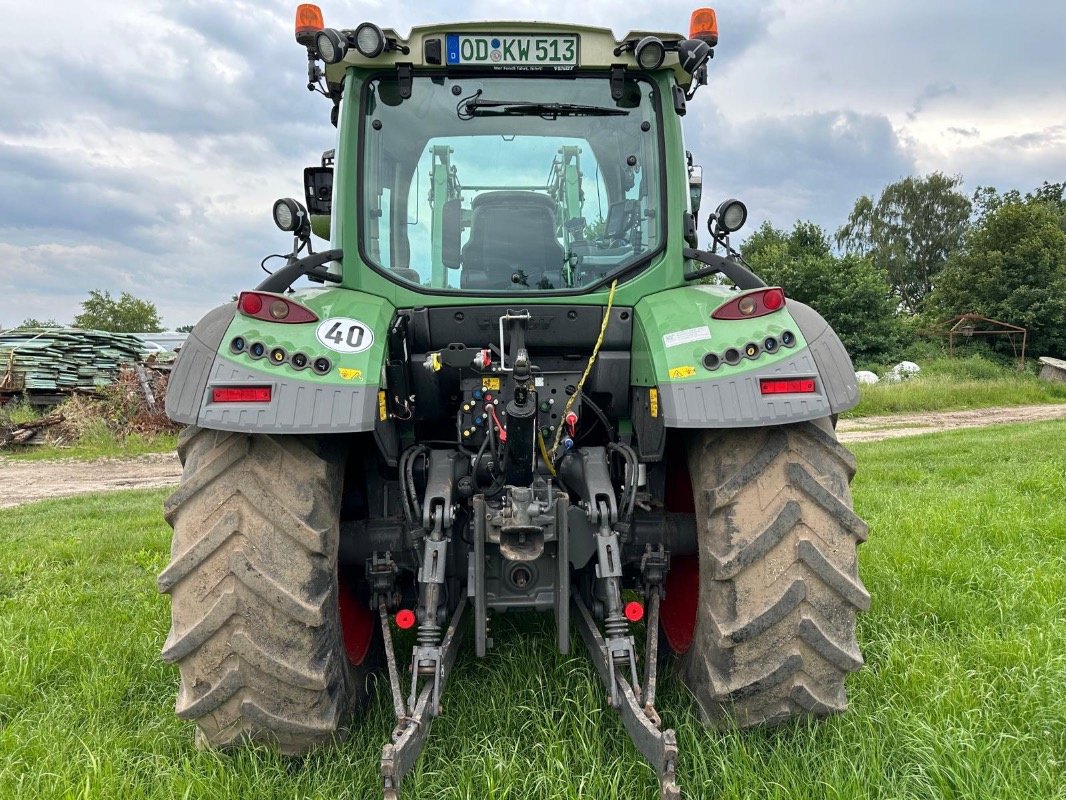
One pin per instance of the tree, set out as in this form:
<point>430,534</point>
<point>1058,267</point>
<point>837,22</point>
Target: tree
<point>988,199</point>
<point>184,329</point>
<point>909,233</point>
<point>39,323</point>
<point>852,295</point>
<point>128,314</point>
<point>1013,269</point>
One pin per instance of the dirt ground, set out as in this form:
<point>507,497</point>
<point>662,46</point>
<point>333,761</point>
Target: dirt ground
<point>871,429</point>
<point>26,481</point>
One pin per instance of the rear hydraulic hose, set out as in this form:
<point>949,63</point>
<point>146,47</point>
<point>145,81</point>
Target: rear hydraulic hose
<point>584,376</point>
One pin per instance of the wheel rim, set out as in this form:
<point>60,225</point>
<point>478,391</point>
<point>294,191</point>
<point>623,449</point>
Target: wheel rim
<point>677,614</point>
<point>357,623</point>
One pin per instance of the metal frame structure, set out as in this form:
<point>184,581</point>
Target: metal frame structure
<point>964,325</point>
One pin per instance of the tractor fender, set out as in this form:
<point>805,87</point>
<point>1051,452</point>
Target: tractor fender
<point>839,383</point>
<point>342,400</point>
<point>188,379</point>
<point>675,345</point>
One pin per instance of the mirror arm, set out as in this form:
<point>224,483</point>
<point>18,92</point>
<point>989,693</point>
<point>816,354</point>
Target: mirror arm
<point>296,268</point>
<point>743,277</point>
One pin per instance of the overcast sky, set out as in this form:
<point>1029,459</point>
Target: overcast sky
<point>142,144</point>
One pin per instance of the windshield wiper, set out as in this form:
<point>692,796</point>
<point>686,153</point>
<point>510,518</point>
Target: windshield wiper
<point>477,107</point>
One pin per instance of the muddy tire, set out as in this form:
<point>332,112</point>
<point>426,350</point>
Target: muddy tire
<point>778,576</point>
<point>253,586</point>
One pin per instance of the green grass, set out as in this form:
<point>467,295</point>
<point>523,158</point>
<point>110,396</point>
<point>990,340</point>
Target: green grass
<point>957,384</point>
<point>97,442</point>
<point>963,695</point>
<point>18,413</point>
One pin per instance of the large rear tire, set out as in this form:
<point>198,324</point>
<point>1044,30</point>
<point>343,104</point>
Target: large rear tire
<point>779,588</point>
<point>256,632</point>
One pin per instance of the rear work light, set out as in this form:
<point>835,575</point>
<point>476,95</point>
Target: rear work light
<point>241,394</point>
<point>273,308</point>
<point>752,304</point>
<point>789,386</point>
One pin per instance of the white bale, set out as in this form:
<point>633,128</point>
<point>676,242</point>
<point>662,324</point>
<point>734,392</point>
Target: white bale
<point>866,377</point>
<point>902,371</point>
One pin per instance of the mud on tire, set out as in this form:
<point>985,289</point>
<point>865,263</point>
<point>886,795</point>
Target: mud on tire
<point>778,586</point>
<point>253,586</point>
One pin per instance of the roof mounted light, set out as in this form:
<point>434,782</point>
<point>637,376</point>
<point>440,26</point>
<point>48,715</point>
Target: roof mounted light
<point>731,215</point>
<point>331,45</point>
<point>291,217</point>
<point>308,23</point>
<point>369,40</point>
<point>649,53</point>
<point>704,25</point>
<point>693,54</point>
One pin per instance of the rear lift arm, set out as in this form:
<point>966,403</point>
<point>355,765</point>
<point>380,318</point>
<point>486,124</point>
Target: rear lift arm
<point>412,725</point>
<point>642,722</point>
<point>433,657</point>
<point>615,655</point>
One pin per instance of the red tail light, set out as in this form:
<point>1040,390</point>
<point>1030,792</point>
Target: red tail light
<point>273,308</point>
<point>789,386</point>
<point>752,304</point>
<point>241,394</point>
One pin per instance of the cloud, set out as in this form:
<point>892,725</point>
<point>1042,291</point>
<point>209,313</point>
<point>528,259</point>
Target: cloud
<point>143,151</point>
<point>802,166</point>
<point>1017,161</point>
<point>931,92</point>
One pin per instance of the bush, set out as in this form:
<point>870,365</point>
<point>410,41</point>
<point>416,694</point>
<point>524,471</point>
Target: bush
<point>18,412</point>
<point>967,368</point>
<point>1013,268</point>
<point>125,408</point>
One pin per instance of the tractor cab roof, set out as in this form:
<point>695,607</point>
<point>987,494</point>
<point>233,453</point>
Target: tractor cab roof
<point>509,48</point>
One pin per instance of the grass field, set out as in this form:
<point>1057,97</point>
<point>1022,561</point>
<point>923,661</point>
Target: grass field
<point>963,694</point>
<point>98,444</point>
<point>956,384</point>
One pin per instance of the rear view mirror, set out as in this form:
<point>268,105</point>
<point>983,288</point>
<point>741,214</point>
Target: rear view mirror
<point>695,187</point>
<point>318,190</point>
<point>451,233</point>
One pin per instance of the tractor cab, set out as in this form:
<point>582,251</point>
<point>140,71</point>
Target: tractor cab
<point>504,158</point>
<point>510,185</point>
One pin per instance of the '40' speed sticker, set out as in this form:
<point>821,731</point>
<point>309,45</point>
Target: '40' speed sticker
<point>344,335</point>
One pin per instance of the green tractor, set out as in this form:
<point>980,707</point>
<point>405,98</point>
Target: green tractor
<point>513,382</point>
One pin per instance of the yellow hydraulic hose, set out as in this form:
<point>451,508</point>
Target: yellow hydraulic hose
<point>581,383</point>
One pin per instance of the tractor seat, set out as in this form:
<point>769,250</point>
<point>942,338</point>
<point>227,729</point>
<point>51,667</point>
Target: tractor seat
<point>512,234</point>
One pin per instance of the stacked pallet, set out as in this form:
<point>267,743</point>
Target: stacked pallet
<point>64,360</point>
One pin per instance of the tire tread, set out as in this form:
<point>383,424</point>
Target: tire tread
<point>779,586</point>
<point>252,580</point>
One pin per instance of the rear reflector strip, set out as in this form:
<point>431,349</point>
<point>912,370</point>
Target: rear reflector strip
<point>242,394</point>
<point>794,386</point>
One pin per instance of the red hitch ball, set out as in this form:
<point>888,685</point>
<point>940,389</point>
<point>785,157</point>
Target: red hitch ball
<point>634,611</point>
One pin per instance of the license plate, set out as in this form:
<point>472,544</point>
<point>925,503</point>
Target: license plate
<point>490,50</point>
